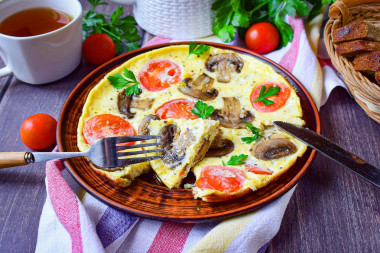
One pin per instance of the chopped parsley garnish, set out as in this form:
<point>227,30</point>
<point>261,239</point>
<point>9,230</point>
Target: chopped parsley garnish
<point>236,160</point>
<point>264,93</point>
<point>118,81</point>
<point>255,131</point>
<point>197,49</point>
<point>202,110</point>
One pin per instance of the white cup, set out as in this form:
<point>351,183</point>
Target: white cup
<point>46,57</point>
<point>176,19</point>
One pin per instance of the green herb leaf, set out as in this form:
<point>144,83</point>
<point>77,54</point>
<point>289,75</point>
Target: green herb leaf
<point>202,110</point>
<point>118,81</point>
<point>197,49</point>
<point>131,90</point>
<point>272,90</point>
<point>255,131</point>
<point>122,30</point>
<point>236,160</point>
<point>232,14</point>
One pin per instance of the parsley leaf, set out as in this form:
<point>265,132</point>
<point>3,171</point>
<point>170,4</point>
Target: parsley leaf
<point>122,30</point>
<point>272,90</point>
<point>236,160</point>
<point>118,81</point>
<point>202,110</point>
<point>255,131</point>
<point>197,49</point>
<point>232,14</point>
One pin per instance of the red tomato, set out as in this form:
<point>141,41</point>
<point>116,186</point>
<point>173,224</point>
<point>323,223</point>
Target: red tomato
<point>220,178</point>
<point>159,74</point>
<point>279,99</point>
<point>106,125</point>
<point>262,37</point>
<point>98,48</point>
<point>38,131</point>
<point>176,109</point>
<point>258,170</point>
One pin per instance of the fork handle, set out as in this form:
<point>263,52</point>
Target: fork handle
<point>12,159</point>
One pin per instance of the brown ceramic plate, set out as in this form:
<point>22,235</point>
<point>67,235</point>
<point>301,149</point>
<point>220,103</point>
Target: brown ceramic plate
<point>145,198</point>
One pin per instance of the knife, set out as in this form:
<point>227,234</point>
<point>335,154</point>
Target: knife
<point>333,151</point>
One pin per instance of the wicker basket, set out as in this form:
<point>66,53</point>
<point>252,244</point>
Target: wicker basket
<point>341,13</point>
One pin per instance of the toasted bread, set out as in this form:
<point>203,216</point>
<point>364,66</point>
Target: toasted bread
<point>352,48</point>
<point>367,62</point>
<point>357,31</point>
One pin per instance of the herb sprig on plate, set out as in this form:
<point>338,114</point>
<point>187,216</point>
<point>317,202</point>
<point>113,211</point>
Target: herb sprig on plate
<point>255,131</point>
<point>202,110</point>
<point>119,81</point>
<point>122,30</point>
<point>236,160</point>
<point>264,93</point>
<point>197,49</point>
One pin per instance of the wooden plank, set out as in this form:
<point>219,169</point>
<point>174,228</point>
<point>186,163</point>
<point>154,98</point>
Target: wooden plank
<point>332,209</point>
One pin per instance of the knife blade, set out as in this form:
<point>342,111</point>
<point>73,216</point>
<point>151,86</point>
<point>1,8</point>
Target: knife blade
<point>333,151</point>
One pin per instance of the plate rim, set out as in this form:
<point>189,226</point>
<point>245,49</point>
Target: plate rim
<point>204,218</point>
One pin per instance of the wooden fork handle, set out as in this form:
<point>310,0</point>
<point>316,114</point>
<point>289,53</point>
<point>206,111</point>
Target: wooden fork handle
<point>12,159</point>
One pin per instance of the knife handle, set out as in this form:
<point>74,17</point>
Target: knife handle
<point>356,164</point>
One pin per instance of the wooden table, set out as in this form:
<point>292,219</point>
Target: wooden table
<point>332,210</point>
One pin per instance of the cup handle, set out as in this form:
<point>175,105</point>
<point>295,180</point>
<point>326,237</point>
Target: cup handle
<point>6,71</point>
<point>128,2</point>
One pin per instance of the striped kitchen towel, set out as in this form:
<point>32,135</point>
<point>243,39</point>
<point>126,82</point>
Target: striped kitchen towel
<point>81,223</point>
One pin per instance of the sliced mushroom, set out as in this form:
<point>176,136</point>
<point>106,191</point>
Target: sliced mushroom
<point>220,148</point>
<point>200,88</point>
<point>229,116</point>
<point>126,102</point>
<point>274,148</point>
<point>175,144</point>
<point>224,64</point>
<point>144,124</point>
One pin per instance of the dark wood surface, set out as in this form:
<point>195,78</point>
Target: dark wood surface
<point>332,210</point>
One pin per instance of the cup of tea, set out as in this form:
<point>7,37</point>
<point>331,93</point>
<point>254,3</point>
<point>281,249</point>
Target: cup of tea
<point>40,40</point>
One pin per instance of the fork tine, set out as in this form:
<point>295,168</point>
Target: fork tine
<point>139,159</point>
<point>122,147</point>
<point>131,138</point>
<point>121,154</point>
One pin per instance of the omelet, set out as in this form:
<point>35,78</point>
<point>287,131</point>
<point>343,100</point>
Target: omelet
<point>224,100</point>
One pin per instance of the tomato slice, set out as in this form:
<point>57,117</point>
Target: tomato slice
<point>106,125</point>
<point>257,170</point>
<point>158,75</point>
<point>177,109</point>
<point>279,99</point>
<point>220,178</point>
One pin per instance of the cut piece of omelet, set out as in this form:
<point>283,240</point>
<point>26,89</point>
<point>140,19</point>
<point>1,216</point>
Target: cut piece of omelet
<point>185,143</point>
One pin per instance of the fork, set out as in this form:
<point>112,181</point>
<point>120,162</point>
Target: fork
<point>107,152</point>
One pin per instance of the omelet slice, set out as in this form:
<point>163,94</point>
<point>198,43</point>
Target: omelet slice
<point>186,142</point>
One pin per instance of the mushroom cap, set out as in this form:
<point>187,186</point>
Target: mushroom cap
<point>224,64</point>
<point>274,148</point>
<point>200,88</point>
<point>144,124</point>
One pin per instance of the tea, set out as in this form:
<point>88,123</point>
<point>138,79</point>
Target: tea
<point>34,21</point>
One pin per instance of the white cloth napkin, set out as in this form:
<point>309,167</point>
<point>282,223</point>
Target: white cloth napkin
<point>81,223</point>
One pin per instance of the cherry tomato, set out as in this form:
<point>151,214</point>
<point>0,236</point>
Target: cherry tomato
<point>106,125</point>
<point>257,170</point>
<point>176,109</point>
<point>220,178</point>
<point>262,37</point>
<point>279,99</point>
<point>38,131</point>
<point>158,75</point>
<point>98,48</point>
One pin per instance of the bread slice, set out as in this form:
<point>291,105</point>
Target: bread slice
<point>185,142</point>
<point>357,31</point>
<point>367,62</point>
<point>351,48</point>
